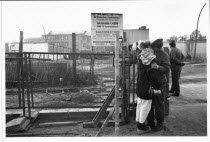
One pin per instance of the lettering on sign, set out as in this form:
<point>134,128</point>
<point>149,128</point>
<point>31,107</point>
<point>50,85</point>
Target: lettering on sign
<point>105,27</point>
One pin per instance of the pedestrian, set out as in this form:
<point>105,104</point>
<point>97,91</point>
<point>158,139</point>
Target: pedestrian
<point>144,99</point>
<point>176,59</point>
<point>159,82</point>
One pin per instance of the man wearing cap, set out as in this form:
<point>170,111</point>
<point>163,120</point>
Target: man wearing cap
<point>176,58</point>
<point>159,81</point>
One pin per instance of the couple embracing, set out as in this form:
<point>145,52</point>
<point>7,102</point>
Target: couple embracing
<point>153,64</point>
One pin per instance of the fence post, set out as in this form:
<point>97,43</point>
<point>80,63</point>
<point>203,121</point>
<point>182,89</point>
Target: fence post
<point>74,59</point>
<point>32,97</point>
<point>117,87</point>
<point>18,77</point>
<point>133,112</point>
<point>27,86</point>
<point>129,53</point>
<point>123,106</point>
<point>92,65</point>
<point>21,69</point>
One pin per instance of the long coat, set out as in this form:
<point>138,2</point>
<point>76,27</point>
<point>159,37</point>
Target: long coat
<point>147,76</point>
<point>176,57</point>
<point>143,82</point>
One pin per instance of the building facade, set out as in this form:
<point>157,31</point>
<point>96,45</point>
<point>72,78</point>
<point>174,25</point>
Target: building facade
<point>34,40</point>
<point>61,42</point>
<point>132,35</point>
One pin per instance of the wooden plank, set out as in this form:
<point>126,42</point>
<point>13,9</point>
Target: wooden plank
<point>68,123</point>
<point>103,108</point>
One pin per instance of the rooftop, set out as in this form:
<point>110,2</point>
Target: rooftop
<point>68,32</point>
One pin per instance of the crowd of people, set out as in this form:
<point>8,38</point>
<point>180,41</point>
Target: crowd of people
<point>153,65</point>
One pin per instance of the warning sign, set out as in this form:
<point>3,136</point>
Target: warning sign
<point>105,27</point>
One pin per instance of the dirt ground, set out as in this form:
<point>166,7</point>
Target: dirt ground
<point>187,115</point>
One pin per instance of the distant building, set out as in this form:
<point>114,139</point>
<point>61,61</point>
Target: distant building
<point>132,35</point>
<point>61,42</point>
<point>28,47</point>
<point>34,40</point>
<point>7,48</point>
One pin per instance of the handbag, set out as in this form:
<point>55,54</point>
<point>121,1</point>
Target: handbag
<point>152,90</point>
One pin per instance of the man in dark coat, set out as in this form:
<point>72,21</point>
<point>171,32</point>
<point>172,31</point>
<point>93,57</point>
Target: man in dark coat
<point>159,81</point>
<point>176,58</point>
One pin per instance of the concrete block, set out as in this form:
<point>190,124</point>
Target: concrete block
<point>90,124</point>
<point>25,125</point>
<point>34,115</point>
<point>16,124</point>
<point>16,121</point>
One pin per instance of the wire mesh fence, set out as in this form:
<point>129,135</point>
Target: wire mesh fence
<point>58,79</point>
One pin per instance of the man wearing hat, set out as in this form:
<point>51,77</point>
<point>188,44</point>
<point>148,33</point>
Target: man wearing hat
<point>159,81</point>
<point>176,58</point>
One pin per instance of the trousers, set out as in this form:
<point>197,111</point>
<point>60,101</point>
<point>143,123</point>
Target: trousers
<point>175,81</point>
<point>158,105</point>
<point>142,109</point>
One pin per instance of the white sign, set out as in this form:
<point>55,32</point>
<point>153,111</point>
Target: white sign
<point>105,27</point>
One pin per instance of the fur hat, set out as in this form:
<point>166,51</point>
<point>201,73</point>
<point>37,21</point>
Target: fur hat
<point>157,43</point>
<point>172,43</point>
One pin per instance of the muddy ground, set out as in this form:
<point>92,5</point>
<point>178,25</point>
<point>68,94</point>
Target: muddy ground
<point>188,113</point>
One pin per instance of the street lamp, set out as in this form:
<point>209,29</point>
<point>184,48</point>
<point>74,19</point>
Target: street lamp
<point>197,32</point>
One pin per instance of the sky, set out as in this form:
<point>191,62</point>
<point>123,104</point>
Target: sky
<point>164,18</point>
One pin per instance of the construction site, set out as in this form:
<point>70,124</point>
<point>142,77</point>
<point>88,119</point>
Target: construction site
<point>75,94</point>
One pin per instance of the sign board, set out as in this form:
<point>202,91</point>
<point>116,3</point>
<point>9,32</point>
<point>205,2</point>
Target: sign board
<point>105,27</point>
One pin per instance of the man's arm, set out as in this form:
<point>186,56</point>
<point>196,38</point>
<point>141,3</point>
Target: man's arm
<point>173,57</point>
<point>165,64</point>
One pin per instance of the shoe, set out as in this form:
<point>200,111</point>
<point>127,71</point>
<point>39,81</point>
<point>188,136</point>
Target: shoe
<point>175,94</point>
<point>142,129</point>
<point>159,127</point>
<point>151,125</point>
<point>142,126</point>
<point>171,91</point>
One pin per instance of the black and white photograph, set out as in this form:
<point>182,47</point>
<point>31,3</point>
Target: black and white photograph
<point>85,69</point>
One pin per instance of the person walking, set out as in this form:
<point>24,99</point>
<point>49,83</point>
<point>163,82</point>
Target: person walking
<point>176,59</point>
<point>159,81</point>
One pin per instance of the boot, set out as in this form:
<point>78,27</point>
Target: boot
<point>142,126</point>
<point>175,94</point>
<point>159,127</point>
<point>151,125</point>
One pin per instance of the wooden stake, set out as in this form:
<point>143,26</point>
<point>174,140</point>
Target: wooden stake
<point>107,120</point>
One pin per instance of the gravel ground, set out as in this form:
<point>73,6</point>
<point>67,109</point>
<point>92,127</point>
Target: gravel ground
<point>188,113</point>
